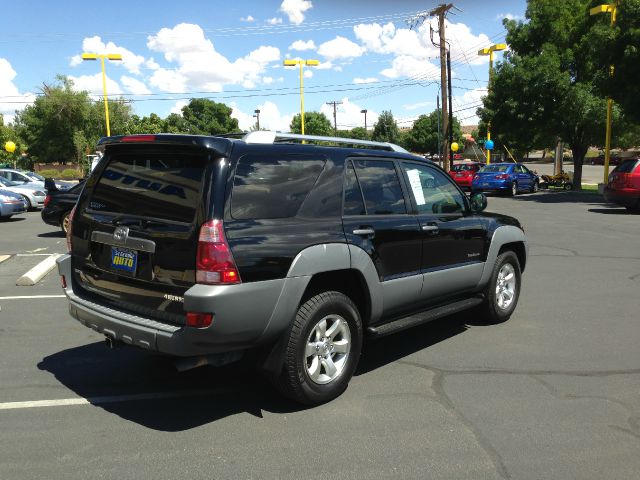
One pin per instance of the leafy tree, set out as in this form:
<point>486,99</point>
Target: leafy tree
<point>386,128</point>
<point>315,123</point>
<point>619,46</point>
<point>423,136</point>
<point>360,133</point>
<point>544,88</point>
<point>48,125</point>
<point>206,117</point>
<point>174,123</point>
<point>8,133</point>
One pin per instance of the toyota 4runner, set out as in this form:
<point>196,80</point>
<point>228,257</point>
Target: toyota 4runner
<point>297,247</point>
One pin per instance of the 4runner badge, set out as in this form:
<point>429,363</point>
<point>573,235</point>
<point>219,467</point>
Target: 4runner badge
<point>173,298</point>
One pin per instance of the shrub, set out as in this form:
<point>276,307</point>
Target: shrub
<point>49,173</point>
<point>69,174</point>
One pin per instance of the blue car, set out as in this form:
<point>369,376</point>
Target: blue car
<point>512,178</point>
<point>11,204</point>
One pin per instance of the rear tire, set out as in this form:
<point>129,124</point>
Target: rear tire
<point>322,350</point>
<point>503,290</point>
<point>64,223</point>
<point>514,189</point>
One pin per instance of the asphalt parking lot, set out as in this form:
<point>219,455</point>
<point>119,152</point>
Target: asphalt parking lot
<point>554,393</point>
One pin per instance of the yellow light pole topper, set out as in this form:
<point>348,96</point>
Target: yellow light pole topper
<point>293,63</point>
<point>489,51</point>
<point>102,56</point>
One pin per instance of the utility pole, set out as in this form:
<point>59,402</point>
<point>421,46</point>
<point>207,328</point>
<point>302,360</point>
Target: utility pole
<point>257,116</point>
<point>439,135</point>
<point>335,121</point>
<point>440,11</point>
<point>447,166</point>
<point>365,118</point>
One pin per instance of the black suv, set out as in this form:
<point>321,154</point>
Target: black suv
<point>296,247</point>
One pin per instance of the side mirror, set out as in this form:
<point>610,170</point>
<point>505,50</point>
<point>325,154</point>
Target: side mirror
<point>478,202</point>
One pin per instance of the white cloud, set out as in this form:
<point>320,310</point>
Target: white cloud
<point>308,73</point>
<point>294,9</point>
<point>248,18</point>
<point>408,66</point>
<point>8,89</point>
<point>415,106</point>
<point>199,66</point>
<point>93,85</point>
<point>151,64</point>
<point>270,117</point>
<point>508,16</point>
<point>385,39</point>
<point>358,80</point>
<point>465,101</point>
<point>130,60</point>
<point>301,45</point>
<point>134,86</point>
<point>274,21</point>
<point>340,47</point>
<point>348,115</point>
<point>177,107</point>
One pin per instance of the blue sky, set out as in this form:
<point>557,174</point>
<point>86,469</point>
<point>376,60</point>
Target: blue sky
<point>232,52</point>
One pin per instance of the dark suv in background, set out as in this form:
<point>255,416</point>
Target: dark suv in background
<point>296,247</point>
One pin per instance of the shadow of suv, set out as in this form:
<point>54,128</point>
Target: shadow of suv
<point>297,247</point>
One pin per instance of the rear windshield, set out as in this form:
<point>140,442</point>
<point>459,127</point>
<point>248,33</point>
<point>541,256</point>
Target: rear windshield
<point>494,168</point>
<point>463,168</point>
<point>157,185</point>
<point>626,166</point>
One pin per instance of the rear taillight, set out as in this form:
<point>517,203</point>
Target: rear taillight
<point>214,261</point>
<point>476,177</point>
<point>502,176</point>
<point>70,229</point>
<point>198,319</point>
<point>47,199</point>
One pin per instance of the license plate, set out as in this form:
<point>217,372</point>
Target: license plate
<point>459,175</point>
<point>485,184</point>
<point>124,259</point>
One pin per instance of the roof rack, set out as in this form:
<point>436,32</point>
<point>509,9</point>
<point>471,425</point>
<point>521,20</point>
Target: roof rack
<point>269,137</point>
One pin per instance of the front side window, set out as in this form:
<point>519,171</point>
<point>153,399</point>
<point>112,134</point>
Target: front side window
<point>273,186</point>
<point>380,186</point>
<point>433,191</point>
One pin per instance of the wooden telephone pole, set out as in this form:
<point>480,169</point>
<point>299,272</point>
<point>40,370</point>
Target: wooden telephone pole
<point>335,120</point>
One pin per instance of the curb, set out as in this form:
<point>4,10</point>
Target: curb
<point>4,257</point>
<point>38,272</point>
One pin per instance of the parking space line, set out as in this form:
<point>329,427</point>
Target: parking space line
<point>24,297</point>
<point>4,257</point>
<point>66,402</point>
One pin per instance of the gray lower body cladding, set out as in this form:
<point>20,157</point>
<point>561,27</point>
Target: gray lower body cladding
<point>245,316</point>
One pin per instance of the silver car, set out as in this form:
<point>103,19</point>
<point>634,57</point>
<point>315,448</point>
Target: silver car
<point>11,204</point>
<point>34,195</point>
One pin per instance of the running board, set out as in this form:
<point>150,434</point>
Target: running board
<point>424,317</point>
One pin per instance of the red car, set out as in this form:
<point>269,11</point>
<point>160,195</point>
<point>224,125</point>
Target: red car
<point>623,187</point>
<point>462,173</point>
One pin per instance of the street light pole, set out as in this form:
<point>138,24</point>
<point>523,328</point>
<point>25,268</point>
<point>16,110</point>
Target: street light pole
<point>365,118</point>
<point>257,115</point>
<point>311,63</point>
<point>109,56</point>
<point>611,8</point>
<point>489,51</point>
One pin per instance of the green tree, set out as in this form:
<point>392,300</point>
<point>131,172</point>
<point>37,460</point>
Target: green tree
<point>206,117</point>
<point>315,123</point>
<point>544,88</point>
<point>360,133</point>
<point>423,136</point>
<point>386,128</point>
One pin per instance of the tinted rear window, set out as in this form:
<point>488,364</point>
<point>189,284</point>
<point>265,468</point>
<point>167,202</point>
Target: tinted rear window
<point>273,186</point>
<point>464,168</point>
<point>494,168</point>
<point>626,167</point>
<point>158,185</point>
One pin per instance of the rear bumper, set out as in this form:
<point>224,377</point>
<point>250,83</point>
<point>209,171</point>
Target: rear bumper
<point>8,209</point>
<point>245,316</point>
<point>50,216</point>
<point>627,197</point>
<point>503,185</point>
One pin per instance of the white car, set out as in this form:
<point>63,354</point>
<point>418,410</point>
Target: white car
<point>34,195</point>
<point>31,179</point>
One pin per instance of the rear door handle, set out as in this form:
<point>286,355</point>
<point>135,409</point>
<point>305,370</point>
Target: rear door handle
<point>364,231</point>
<point>430,228</point>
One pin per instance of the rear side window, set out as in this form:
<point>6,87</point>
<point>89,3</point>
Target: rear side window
<point>626,167</point>
<point>380,186</point>
<point>166,185</point>
<point>273,186</point>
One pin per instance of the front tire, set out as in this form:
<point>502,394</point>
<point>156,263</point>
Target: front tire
<point>534,187</point>
<point>28,202</point>
<point>322,350</point>
<point>503,290</point>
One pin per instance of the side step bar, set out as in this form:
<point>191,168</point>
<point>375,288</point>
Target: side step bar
<point>423,317</point>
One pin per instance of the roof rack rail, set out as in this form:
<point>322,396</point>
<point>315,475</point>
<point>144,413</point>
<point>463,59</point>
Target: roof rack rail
<point>267,137</point>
